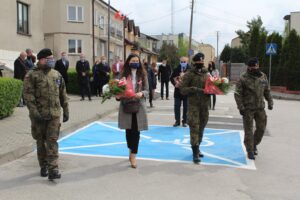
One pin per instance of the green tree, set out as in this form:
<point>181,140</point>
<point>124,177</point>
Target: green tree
<point>290,61</point>
<point>183,47</point>
<point>238,55</point>
<point>169,52</point>
<point>261,53</point>
<point>254,41</point>
<point>225,55</point>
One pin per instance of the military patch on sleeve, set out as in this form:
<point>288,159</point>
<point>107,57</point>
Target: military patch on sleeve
<point>58,82</point>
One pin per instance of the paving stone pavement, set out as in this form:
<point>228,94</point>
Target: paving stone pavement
<point>15,132</point>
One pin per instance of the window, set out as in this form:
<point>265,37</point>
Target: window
<point>22,18</point>
<point>75,13</point>
<point>75,46</point>
<point>101,23</point>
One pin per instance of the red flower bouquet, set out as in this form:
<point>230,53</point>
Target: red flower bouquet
<point>215,85</point>
<point>118,88</point>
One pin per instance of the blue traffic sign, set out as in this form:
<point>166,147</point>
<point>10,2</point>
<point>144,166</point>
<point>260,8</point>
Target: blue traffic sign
<point>271,49</point>
<point>191,52</point>
<point>159,143</point>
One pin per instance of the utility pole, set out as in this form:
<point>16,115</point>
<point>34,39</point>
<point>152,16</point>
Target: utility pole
<point>191,32</point>
<point>108,35</point>
<point>172,17</point>
<point>218,59</point>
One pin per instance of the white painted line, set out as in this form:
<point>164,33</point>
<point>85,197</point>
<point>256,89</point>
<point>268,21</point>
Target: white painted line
<point>172,114</point>
<point>91,146</point>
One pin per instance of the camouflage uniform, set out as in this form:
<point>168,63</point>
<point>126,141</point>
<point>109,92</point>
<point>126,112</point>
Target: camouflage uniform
<point>45,94</point>
<point>249,96</point>
<point>192,85</point>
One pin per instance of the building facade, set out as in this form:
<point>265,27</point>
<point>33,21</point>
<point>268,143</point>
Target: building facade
<point>236,42</point>
<point>71,26</point>
<point>209,52</point>
<point>293,20</point>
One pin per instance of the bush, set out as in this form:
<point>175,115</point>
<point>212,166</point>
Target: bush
<point>10,94</point>
<point>73,87</point>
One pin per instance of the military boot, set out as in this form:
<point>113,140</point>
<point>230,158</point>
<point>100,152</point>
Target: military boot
<point>251,155</point>
<point>44,172</point>
<point>201,154</point>
<point>196,158</point>
<point>255,150</point>
<point>54,175</point>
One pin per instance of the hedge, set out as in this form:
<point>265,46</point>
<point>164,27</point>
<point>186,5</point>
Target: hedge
<point>10,94</point>
<point>72,87</point>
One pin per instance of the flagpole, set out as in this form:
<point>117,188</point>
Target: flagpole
<point>108,35</point>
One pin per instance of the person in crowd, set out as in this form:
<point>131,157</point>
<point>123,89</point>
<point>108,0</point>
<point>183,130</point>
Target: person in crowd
<point>214,73</point>
<point>31,59</point>
<point>164,73</point>
<point>117,68</point>
<point>45,95</point>
<point>62,66</point>
<point>180,99</point>
<point>20,70</point>
<point>132,111</point>
<point>83,72</point>
<point>192,85</point>
<point>96,77</point>
<point>155,71</point>
<point>251,91</point>
<point>151,81</point>
<point>104,72</point>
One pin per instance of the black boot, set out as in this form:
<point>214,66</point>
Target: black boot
<point>251,155</point>
<point>201,154</point>
<point>196,158</point>
<point>255,150</point>
<point>54,175</point>
<point>44,172</point>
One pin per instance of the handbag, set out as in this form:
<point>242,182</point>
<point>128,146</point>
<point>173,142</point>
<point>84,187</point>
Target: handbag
<point>131,106</point>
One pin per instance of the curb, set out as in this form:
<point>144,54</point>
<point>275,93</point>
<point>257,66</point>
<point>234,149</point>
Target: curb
<point>285,97</point>
<point>29,148</point>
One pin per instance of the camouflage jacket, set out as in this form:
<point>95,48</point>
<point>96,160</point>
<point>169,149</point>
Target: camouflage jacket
<point>45,93</point>
<point>193,83</point>
<point>250,92</point>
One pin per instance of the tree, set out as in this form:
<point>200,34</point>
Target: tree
<point>253,43</point>
<point>225,55</point>
<point>261,53</point>
<point>183,47</point>
<point>290,61</point>
<point>169,52</point>
<point>238,55</point>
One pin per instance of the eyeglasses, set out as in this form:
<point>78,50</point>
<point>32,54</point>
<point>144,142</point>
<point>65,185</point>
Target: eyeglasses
<point>182,61</point>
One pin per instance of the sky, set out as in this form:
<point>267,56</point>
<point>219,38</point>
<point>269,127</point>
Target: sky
<point>210,16</point>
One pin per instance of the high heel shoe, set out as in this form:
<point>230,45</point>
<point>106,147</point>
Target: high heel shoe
<point>132,159</point>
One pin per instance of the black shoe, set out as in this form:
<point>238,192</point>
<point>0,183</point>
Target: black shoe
<point>251,156</point>
<point>201,154</point>
<point>167,98</point>
<point>44,172</point>
<point>54,175</point>
<point>176,124</point>
<point>184,125</point>
<point>255,151</point>
<point>90,99</point>
<point>82,99</point>
<point>162,98</point>
<point>151,105</point>
<point>196,158</point>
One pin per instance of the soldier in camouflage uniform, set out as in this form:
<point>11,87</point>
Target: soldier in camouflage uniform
<point>192,85</point>
<point>249,95</point>
<point>45,94</point>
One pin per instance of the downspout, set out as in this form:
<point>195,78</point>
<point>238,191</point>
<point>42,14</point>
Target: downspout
<point>93,28</point>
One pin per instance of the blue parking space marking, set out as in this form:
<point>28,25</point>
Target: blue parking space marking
<point>161,143</point>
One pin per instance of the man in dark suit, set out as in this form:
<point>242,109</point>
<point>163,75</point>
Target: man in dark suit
<point>83,71</point>
<point>20,70</point>
<point>62,66</point>
<point>179,99</point>
<point>164,73</point>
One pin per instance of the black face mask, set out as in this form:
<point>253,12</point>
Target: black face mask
<point>254,72</point>
<point>199,65</point>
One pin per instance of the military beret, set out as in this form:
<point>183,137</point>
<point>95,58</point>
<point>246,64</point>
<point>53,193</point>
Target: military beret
<point>44,53</point>
<point>252,62</point>
<point>198,57</point>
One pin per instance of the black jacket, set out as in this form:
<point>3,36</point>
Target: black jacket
<point>20,69</point>
<point>62,69</point>
<point>151,77</point>
<point>176,73</point>
<point>164,73</point>
<point>83,67</point>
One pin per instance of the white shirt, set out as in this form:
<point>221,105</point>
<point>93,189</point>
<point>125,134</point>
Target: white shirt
<point>133,78</point>
<point>118,67</point>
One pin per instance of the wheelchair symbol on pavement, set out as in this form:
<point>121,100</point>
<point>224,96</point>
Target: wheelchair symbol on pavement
<point>159,143</point>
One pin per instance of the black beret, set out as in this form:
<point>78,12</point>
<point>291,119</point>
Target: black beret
<point>252,62</point>
<point>198,57</point>
<point>44,53</point>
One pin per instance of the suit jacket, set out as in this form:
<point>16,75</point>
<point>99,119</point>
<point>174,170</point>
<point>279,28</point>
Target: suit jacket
<point>62,69</point>
<point>20,69</point>
<point>83,67</point>
<point>114,68</point>
<point>176,74</point>
<point>164,73</point>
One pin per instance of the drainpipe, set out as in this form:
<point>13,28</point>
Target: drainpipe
<point>93,28</point>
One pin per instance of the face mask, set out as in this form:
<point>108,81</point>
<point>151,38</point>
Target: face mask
<point>134,65</point>
<point>199,65</point>
<point>82,60</point>
<point>254,72</point>
<point>183,64</point>
<point>50,63</point>
<point>64,57</point>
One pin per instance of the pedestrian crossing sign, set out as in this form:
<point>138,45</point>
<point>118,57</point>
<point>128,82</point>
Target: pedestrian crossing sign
<point>271,49</point>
